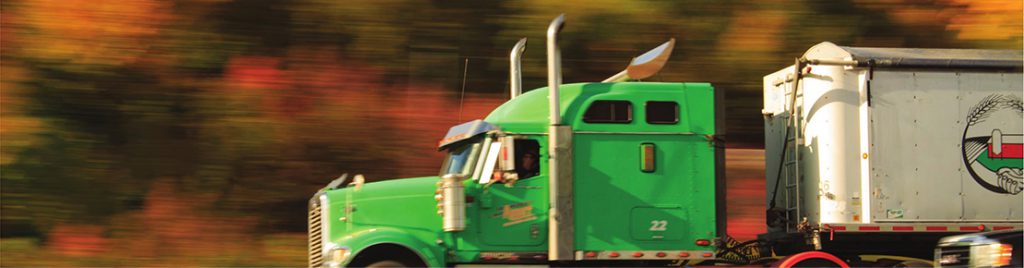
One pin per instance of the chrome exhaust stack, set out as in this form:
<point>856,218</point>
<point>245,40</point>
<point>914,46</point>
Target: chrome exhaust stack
<point>554,68</point>
<point>515,69</point>
<point>560,215</point>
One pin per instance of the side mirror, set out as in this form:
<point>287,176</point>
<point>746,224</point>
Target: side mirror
<point>507,158</point>
<point>500,164</point>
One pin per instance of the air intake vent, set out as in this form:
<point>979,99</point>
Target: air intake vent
<point>316,257</point>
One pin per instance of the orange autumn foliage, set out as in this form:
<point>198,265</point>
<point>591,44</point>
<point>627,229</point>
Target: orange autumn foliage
<point>91,32</point>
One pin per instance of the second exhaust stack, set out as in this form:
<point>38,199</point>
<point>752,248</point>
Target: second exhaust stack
<point>515,69</point>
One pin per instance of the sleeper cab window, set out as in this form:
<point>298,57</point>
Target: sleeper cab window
<point>609,112</point>
<point>662,112</point>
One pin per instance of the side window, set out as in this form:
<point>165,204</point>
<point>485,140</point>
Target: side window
<point>662,112</point>
<point>605,111</point>
<point>527,158</point>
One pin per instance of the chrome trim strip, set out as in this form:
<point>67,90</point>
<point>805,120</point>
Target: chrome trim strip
<point>639,133</point>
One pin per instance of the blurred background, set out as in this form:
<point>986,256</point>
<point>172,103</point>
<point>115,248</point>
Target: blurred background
<point>192,133</point>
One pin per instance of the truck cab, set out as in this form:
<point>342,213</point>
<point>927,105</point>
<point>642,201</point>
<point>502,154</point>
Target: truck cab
<point>642,153</point>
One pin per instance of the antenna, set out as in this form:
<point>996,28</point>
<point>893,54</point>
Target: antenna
<point>645,65</point>
<point>462,96</point>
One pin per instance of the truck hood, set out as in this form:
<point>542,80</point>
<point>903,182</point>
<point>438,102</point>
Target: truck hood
<point>401,203</point>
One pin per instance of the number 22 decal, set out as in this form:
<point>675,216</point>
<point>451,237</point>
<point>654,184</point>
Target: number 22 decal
<point>657,225</point>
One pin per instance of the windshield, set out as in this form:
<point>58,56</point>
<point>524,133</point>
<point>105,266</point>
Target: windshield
<point>461,159</point>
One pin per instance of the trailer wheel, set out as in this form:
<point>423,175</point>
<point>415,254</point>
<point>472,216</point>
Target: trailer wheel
<point>812,259</point>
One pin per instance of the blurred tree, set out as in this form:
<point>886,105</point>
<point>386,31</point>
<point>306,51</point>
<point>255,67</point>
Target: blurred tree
<point>116,111</point>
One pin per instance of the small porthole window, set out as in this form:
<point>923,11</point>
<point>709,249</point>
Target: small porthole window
<point>606,111</point>
<point>662,112</point>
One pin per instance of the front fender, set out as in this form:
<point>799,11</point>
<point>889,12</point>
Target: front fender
<point>431,253</point>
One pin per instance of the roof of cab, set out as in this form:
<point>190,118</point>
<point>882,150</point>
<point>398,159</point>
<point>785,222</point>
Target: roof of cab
<point>528,113</point>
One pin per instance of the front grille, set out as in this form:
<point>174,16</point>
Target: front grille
<point>953,256</point>
<point>316,255</point>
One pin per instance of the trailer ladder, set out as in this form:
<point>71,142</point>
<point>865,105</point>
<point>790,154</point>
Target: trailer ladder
<point>791,158</point>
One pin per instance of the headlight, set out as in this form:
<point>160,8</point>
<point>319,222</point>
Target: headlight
<point>336,256</point>
<point>991,255</point>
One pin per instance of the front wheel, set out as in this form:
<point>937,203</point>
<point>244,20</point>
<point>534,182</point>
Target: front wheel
<point>386,263</point>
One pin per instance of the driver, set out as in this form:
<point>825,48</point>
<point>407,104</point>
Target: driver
<point>528,165</point>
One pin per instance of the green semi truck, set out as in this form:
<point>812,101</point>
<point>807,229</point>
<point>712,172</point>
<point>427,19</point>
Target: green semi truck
<point>618,173</point>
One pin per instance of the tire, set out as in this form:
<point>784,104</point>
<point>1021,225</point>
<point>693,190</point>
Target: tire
<point>816,263</point>
<point>386,263</point>
<point>812,259</point>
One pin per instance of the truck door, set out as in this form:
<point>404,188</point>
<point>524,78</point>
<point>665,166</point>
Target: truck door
<point>514,212</point>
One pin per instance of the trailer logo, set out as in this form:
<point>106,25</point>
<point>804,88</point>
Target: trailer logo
<point>993,144</point>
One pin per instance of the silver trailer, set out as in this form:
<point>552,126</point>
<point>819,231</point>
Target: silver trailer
<point>885,143</point>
